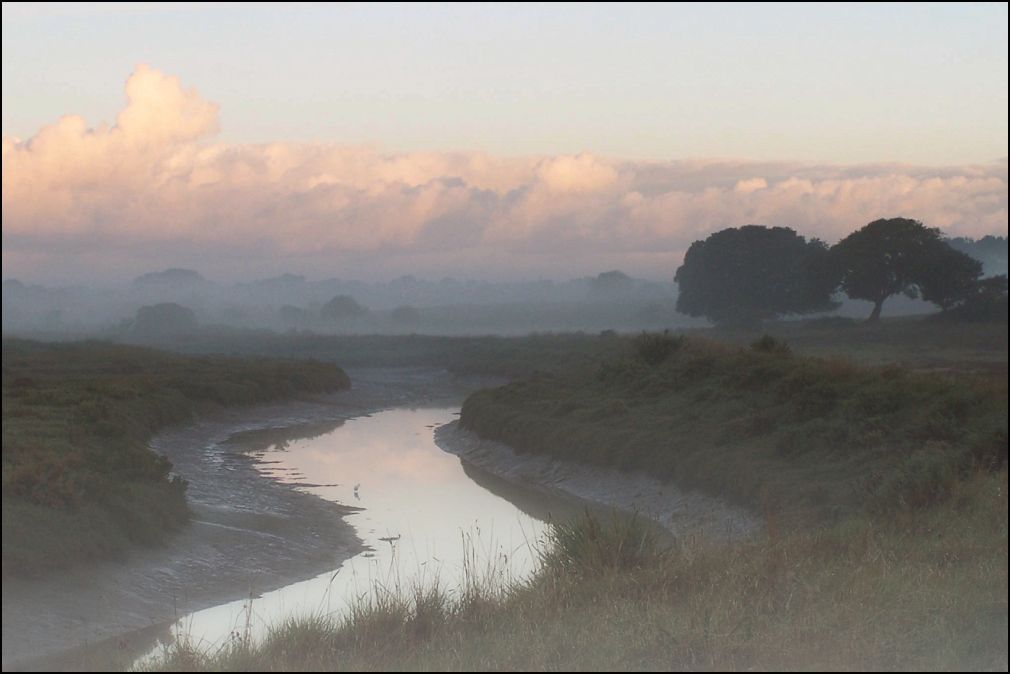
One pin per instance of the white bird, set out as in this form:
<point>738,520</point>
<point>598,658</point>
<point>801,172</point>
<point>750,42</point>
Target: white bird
<point>356,490</point>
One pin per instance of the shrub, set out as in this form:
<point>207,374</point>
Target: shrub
<point>656,347</point>
<point>768,344</point>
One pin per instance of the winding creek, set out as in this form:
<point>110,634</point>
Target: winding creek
<point>279,528</point>
<point>423,517</point>
<point>302,508</point>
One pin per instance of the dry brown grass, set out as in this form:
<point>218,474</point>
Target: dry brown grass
<point>923,590</point>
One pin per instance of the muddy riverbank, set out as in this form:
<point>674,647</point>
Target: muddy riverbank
<point>249,534</point>
<point>259,524</point>
<point>683,513</point>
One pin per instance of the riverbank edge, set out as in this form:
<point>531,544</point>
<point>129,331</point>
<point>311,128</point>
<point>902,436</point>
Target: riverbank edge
<point>372,390</point>
<point>684,513</point>
<point>218,425</point>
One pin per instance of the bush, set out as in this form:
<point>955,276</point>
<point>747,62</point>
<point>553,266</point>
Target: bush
<point>655,347</point>
<point>768,344</point>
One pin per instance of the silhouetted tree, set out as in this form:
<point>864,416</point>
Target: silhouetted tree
<point>749,274</point>
<point>342,307</point>
<point>990,250</point>
<point>887,257</point>
<point>163,321</point>
<point>611,282</point>
<point>949,277</point>
<point>985,302</point>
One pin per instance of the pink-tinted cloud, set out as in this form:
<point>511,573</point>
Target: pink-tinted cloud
<point>156,190</point>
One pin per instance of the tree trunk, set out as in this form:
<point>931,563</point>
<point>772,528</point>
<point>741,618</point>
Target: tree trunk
<point>875,316</point>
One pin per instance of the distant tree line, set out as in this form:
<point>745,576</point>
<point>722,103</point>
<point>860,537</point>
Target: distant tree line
<point>169,321</point>
<point>737,276</point>
<point>990,250</point>
<point>742,276</point>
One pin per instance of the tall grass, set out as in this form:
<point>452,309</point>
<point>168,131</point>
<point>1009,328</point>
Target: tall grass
<point>925,590</point>
<point>79,482</point>
<point>810,438</point>
<point>591,547</point>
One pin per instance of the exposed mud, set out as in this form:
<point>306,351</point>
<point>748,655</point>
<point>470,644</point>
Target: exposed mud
<point>683,513</point>
<point>249,534</point>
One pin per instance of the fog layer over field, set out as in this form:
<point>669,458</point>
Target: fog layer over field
<point>611,300</point>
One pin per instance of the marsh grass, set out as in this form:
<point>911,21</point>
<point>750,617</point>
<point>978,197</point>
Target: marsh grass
<point>592,547</point>
<point>79,482</point>
<point>810,438</point>
<point>922,590</point>
<point>901,565</point>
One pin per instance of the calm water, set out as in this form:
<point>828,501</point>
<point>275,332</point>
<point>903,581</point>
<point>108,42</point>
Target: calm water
<point>423,513</point>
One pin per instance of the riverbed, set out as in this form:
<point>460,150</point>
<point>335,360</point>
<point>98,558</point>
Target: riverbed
<point>250,533</point>
<point>305,508</point>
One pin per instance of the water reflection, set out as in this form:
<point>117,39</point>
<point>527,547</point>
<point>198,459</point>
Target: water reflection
<point>422,512</point>
<point>279,437</point>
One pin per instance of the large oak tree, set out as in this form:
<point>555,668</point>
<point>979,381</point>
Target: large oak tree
<point>899,255</point>
<point>748,274</point>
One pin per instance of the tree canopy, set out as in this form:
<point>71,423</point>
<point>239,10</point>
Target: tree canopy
<point>163,321</point>
<point>611,282</point>
<point>748,274</point>
<point>985,302</point>
<point>990,250</point>
<point>899,255</point>
<point>342,307</point>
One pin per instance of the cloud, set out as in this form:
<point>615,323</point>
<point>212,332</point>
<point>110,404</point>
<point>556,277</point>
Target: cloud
<point>155,189</point>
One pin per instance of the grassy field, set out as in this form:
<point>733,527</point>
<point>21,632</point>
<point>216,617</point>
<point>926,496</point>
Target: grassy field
<point>79,482</point>
<point>910,341</point>
<point>759,425</point>
<point>500,356</point>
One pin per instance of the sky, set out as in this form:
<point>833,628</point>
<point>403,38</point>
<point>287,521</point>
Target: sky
<point>488,141</point>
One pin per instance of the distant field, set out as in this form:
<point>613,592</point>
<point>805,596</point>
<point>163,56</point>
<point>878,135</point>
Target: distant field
<point>492,355</point>
<point>909,341</point>
<point>79,482</point>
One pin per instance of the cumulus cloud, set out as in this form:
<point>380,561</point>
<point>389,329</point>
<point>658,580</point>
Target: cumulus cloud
<point>155,189</point>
